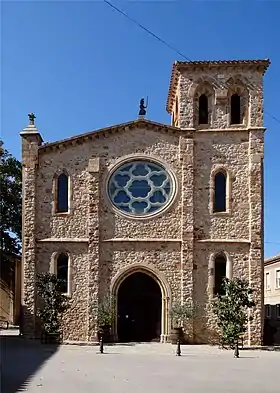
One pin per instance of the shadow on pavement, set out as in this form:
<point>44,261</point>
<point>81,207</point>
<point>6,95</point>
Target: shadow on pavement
<point>20,359</point>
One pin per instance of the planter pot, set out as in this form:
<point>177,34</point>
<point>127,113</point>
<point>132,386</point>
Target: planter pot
<point>177,334</point>
<point>51,338</point>
<point>104,332</point>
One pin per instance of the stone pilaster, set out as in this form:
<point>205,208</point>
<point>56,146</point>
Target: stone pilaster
<point>187,218</point>
<point>256,151</point>
<point>93,247</point>
<point>31,140</point>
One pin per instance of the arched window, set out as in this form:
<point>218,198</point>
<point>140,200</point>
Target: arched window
<point>62,193</point>
<point>220,270</point>
<point>235,109</point>
<point>220,192</point>
<point>203,109</point>
<point>62,271</point>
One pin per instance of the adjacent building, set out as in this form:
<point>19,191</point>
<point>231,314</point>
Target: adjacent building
<point>272,300</point>
<point>10,291</point>
<point>149,212</point>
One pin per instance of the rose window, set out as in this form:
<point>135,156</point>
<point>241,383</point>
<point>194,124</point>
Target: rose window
<point>140,188</point>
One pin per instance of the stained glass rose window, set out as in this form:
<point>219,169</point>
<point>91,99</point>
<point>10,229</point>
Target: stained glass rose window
<point>140,188</point>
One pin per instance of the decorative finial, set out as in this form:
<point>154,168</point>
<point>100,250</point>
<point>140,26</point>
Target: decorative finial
<point>142,110</point>
<point>32,118</point>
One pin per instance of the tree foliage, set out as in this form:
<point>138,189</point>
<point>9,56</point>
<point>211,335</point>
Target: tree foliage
<point>181,313</point>
<point>53,302</point>
<point>106,311</point>
<point>231,309</point>
<point>10,205</point>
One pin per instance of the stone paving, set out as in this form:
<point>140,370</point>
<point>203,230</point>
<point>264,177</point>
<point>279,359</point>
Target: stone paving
<point>145,368</point>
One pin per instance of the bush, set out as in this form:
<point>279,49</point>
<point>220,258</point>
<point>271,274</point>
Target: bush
<point>106,311</point>
<point>181,313</point>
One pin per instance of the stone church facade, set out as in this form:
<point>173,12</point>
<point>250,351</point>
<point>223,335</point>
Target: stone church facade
<point>180,203</point>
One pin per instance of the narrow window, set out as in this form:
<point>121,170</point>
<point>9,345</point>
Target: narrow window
<point>220,192</point>
<point>277,278</point>
<point>203,110</point>
<point>62,271</point>
<point>267,281</point>
<point>235,109</point>
<point>62,193</point>
<point>220,273</point>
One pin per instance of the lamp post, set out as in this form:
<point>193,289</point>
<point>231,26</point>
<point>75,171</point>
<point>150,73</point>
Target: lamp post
<point>178,351</point>
<point>101,345</point>
<point>236,350</point>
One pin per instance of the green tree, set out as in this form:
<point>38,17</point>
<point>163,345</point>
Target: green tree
<point>10,205</point>
<point>53,303</point>
<point>231,309</point>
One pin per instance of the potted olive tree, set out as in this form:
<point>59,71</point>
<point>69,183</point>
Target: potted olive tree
<point>106,317</point>
<point>180,314</point>
<point>51,306</point>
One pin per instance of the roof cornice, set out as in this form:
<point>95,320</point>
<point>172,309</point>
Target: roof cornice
<point>178,66</point>
<point>104,132</point>
<point>272,260</point>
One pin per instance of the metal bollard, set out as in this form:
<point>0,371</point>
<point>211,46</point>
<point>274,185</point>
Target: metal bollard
<point>178,351</point>
<point>236,351</point>
<point>101,345</point>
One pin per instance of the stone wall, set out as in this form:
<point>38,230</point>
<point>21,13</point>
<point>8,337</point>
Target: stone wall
<point>220,78</point>
<point>75,326</point>
<point>227,151</point>
<point>104,256</point>
<point>75,159</point>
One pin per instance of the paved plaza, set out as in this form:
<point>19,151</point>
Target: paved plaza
<point>139,368</point>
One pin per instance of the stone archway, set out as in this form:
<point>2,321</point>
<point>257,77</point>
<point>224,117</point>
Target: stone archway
<point>156,291</point>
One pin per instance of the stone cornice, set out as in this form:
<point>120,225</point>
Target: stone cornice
<point>63,240</point>
<point>104,132</point>
<point>31,130</point>
<point>149,240</point>
<point>231,129</point>
<point>242,241</point>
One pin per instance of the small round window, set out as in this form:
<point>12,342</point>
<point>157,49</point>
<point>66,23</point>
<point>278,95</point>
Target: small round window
<point>140,188</point>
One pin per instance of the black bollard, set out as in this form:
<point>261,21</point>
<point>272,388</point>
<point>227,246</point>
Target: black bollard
<point>178,351</point>
<point>236,351</point>
<point>101,345</point>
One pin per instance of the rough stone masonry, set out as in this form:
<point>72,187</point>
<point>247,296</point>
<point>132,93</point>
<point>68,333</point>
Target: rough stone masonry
<point>177,235</point>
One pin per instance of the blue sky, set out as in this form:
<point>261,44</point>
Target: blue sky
<point>81,66</point>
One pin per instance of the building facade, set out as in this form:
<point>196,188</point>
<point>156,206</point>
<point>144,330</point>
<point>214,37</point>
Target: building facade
<point>152,213</point>
<point>272,300</point>
<point>10,291</point>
